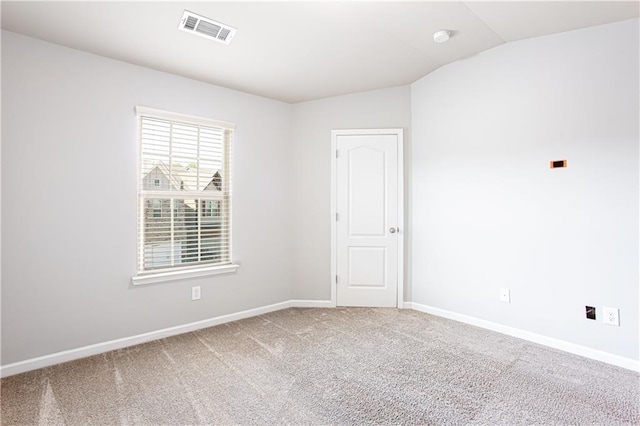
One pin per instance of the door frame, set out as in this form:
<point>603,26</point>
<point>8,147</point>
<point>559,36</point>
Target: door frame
<point>399,133</point>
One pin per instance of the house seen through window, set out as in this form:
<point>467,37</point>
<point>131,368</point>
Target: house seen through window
<point>184,191</point>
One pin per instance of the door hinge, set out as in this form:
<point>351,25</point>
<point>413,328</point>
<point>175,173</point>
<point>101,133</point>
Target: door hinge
<point>337,153</point>
<point>336,279</point>
<point>337,217</point>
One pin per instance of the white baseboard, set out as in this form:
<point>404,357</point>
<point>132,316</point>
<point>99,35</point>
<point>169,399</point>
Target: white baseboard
<point>628,363</point>
<point>98,348</point>
<point>312,304</point>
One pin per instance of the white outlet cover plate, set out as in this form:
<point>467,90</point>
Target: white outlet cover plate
<point>611,316</point>
<point>195,293</point>
<point>505,295</point>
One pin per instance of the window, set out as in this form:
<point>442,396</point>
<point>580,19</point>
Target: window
<point>191,157</point>
<point>156,208</point>
<point>211,208</point>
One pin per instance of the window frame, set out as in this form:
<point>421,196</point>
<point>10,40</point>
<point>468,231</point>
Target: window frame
<point>172,273</point>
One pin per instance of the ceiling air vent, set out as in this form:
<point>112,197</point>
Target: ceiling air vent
<point>205,27</point>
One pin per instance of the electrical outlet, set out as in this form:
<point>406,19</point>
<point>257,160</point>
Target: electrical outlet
<point>195,293</point>
<point>505,295</point>
<point>611,316</point>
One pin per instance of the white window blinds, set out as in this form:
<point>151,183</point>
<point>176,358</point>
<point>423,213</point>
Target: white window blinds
<point>184,191</point>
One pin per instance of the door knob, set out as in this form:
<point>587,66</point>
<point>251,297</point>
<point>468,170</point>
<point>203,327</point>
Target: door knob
<point>393,230</point>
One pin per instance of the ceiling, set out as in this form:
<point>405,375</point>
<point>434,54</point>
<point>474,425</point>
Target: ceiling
<point>300,51</point>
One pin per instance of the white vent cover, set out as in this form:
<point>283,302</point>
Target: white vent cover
<point>205,27</point>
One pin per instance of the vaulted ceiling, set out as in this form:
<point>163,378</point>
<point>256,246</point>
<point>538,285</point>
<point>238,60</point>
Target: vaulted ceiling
<point>299,51</point>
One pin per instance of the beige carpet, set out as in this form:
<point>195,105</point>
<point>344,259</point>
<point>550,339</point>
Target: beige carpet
<point>328,366</point>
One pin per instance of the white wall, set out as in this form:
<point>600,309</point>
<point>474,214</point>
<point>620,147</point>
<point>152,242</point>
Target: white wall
<point>69,200</point>
<point>489,213</point>
<point>312,125</point>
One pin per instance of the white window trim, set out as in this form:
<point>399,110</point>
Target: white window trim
<point>194,272</point>
<point>185,274</point>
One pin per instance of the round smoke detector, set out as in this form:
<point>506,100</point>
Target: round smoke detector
<point>441,36</point>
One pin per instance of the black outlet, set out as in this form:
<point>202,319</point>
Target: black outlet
<point>591,312</point>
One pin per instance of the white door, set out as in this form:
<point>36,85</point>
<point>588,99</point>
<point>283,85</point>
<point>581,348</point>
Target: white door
<point>367,187</point>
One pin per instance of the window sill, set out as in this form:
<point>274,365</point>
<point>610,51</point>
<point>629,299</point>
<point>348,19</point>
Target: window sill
<point>182,275</point>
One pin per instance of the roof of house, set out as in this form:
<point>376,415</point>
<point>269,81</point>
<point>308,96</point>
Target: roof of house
<point>186,177</point>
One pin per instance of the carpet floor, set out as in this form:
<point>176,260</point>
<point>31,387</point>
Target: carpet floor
<point>328,366</point>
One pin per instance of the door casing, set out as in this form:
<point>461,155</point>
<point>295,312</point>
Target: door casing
<point>400,234</point>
